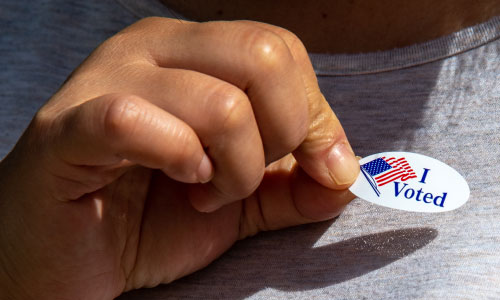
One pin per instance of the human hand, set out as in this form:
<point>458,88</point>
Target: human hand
<point>103,193</point>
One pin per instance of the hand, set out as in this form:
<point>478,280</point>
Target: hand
<point>108,189</point>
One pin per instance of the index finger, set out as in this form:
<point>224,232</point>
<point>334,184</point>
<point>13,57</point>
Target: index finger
<point>254,59</point>
<point>280,97</point>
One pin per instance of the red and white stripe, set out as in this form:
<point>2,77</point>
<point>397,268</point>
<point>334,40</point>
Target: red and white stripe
<point>400,170</point>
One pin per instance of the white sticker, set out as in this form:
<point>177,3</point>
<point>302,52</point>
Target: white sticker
<point>411,182</point>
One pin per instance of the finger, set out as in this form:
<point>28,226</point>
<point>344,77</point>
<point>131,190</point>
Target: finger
<point>222,117</point>
<point>117,127</point>
<point>286,197</point>
<point>255,60</point>
<point>325,154</point>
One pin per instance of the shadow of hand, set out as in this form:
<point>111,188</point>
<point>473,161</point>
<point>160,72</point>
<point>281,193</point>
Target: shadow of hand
<point>272,261</point>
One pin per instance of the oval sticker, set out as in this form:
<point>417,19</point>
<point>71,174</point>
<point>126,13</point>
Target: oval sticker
<point>411,182</point>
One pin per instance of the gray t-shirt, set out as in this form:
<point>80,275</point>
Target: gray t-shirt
<point>440,98</point>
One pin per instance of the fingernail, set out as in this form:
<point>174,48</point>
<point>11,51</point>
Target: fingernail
<point>208,207</point>
<point>203,200</point>
<point>205,170</point>
<point>342,165</point>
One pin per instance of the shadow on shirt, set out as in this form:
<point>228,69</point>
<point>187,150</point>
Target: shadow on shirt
<point>271,261</point>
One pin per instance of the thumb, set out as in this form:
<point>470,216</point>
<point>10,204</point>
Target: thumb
<point>326,154</point>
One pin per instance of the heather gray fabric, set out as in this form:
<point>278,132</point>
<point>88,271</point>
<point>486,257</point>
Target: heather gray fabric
<point>441,99</point>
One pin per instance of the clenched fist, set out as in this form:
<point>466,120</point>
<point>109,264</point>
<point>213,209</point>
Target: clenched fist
<point>169,143</point>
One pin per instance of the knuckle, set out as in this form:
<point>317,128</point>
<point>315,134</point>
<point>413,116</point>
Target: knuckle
<point>143,25</point>
<point>44,127</point>
<point>130,37</point>
<point>149,22</point>
<point>115,43</point>
<point>152,25</point>
<point>267,49</point>
<point>121,115</point>
<point>294,43</point>
<point>118,49</point>
<point>134,42</point>
<point>43,119</point>
<point>235,114</point>
<point>232,108</point>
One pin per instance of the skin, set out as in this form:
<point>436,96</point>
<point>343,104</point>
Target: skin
<point>157,154</point>
<point>169,143</point>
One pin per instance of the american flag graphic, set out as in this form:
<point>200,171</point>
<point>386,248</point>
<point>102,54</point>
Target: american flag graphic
<point>382,171</point>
